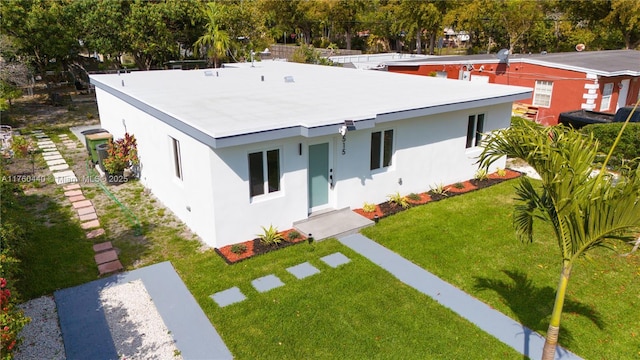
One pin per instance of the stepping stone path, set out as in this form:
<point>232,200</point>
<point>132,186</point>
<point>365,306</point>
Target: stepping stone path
<point>263,284</point>
<point>106,256</point>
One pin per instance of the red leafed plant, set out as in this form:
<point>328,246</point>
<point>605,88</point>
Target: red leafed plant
<point>122,153</point>
<point>12,320</point>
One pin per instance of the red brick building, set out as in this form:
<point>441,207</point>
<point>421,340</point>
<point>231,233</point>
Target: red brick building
<point>593,80</point>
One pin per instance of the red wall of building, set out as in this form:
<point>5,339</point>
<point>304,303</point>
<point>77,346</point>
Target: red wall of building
<point>568,85</point>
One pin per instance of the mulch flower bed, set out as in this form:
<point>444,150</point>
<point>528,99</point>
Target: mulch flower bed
<point>389,208</point>
<point>256,247</point>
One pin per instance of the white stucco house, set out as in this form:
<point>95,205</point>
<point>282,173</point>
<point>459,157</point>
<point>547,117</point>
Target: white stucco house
<point>230,150</point>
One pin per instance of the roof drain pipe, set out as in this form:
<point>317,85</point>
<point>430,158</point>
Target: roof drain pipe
<point>133,220</point>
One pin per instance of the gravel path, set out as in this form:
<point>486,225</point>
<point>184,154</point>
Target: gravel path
<point>137,329</point>
<point>42,338</point>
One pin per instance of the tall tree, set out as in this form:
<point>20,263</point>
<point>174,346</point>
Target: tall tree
<point>147,36</point>
<point>344,14</point>
<point>44,30</point>
<point>625,17</point>
<point>215,41</point>
<point>584,211</point>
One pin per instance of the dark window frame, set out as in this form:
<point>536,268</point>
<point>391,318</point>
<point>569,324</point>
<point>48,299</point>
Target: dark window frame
<point>382,149</point>
<point>264,172</point>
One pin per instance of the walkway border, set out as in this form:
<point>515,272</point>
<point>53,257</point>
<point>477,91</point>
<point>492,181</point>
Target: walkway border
<point>502,327</point>
<point>86,333</point>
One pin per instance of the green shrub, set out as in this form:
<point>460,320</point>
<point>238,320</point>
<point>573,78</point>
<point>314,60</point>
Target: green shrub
<point>238,248</point>
<point>501,172</point>
<point>270,236</point>
<point>627,149</point>
<point>413,196</point>
<point>458,185</point>
<point>293,235</point>
<point>398,200</point>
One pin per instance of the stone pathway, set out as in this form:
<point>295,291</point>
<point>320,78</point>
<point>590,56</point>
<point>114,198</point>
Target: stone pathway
<point>106,257</point>
<point>269,282</point>
<point>505,329</point>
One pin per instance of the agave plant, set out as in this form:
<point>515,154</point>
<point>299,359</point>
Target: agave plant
<point>270,236</point>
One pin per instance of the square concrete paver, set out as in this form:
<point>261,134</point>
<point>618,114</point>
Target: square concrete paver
<point>102,247</point>
<point>105,257</point>
<point>88,217</point>
<point>53,156</point>
<point>86,210</point>
<point>267,283</point>
<point>303,270</point>
<point>109,267</point>
<point>95,233</point>
<point>64,166</point>
<point>55,162</point>
<point>65,177</point>
<point>90,224</point>
<point>336,259</point>
<point>77,198</point>
<point>227,297</point>
<point>71,193</point>
<point>82,204</point>
<point>71,187</point>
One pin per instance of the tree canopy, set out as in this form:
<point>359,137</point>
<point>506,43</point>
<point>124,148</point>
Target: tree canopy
<point>48,34</point>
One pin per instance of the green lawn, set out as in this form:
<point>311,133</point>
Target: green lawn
<point>356,311</point>
<point>469,241</point>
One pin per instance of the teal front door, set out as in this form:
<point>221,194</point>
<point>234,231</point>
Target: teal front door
<point>318,175</point>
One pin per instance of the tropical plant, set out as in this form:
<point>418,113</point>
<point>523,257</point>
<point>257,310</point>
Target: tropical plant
<point>398,200</point>
<point>481,175</point>
<point>413,196</point>
<point>121,154</point>
<point>270,236</point>
<point>215,41</point>
<point>439,189</point>
<point>501,172</point>
<point>458,185</point>
<point>585,211</point>
<point>368,207</point>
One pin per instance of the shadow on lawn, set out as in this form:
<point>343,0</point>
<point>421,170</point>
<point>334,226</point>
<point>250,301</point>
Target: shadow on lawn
<point>533,305</point>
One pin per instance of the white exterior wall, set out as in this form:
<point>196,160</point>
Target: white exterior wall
<point>427,151</point>
<point>155,151</point>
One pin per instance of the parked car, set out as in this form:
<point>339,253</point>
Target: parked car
<point>580,118</point>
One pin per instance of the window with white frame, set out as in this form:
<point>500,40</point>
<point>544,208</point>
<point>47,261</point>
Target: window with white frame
<point>381,149</point>
<point>542,93</point>
<point>177,161</point>
<point>475,126</point>
<point>264,172</point>
<point>606,97</point>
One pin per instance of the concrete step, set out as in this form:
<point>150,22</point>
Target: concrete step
<point>334,223</point>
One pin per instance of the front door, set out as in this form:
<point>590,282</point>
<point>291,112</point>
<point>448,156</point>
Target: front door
<point>319,180</point>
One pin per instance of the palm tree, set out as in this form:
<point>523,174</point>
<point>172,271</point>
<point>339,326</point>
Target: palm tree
<point>585,211</point>
<point>214,42</point>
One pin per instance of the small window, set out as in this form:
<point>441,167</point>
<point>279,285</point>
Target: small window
<point>606,97</point>
<point>475,127</point>
<point>260,184</point>
<point>542,93</point>
<point>177,161</point>
<point>381,149</point>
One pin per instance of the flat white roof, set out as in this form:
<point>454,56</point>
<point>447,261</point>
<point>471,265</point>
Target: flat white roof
<point>244,104</point>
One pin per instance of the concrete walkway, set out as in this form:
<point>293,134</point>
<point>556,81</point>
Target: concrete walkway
<point>505,329</point>
<point>86,333</point>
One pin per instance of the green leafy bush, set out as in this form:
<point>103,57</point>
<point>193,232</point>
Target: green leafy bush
<point>293,235</point>
<point>238,248</point>
<point>270,236</point>
<point>627,149</point>
<point>413,196</point>
<point>398,200</point>
<point>458,185</point>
